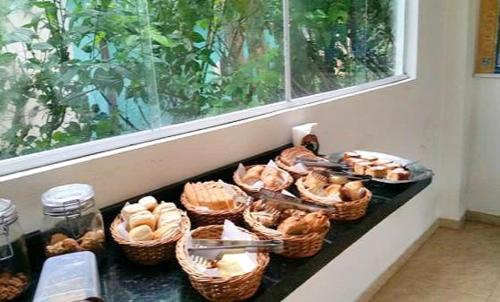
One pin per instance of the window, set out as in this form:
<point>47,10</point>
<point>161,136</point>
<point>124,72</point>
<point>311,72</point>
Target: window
<point>127,71</point>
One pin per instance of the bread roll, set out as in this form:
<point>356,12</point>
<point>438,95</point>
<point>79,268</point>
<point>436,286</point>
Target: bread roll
<point>167,231</point>
<point>232,265</point>
<point>318,222</point>
<point>130,209</point>
<point>142,218</point>
<point>294,226</point>
<point>164,207</point>
<point>141,233</point>
<point>169,217</point>
<point>149,202</point>
<point>265,218</point>
<point>377,171</point>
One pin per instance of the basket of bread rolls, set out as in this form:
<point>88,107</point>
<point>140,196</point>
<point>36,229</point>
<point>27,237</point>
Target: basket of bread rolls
<point>302,232</point>
<point>287,161</point>
<point>253,178</point>
<point>147,231</point>
<point>234,277</point>
<point>346,200</point>
<point>212,202</point>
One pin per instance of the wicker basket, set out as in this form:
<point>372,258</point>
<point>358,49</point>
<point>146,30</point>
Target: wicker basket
<point>149,252</point>
<point>249,189</point>
<point>297,246</point>
<point>341,211</point>
<point>201,217</point>
<point>235,288</point>
<point>290,169</point>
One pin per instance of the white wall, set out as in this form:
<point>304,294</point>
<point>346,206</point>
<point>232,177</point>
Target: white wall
<point>483,189</point>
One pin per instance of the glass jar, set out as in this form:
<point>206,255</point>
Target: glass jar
<point>71,221</point>
<point>14,262</point>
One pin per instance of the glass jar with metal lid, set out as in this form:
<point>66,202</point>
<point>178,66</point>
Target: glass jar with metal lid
<point>71,221</point>
<point>14,262</point>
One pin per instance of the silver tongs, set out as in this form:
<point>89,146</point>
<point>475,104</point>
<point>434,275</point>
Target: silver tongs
<point>212,249</point>
<point>281,202</point>
<point>351,175</point>
<point>321,163</point>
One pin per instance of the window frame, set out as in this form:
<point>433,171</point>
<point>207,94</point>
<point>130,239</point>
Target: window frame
<point>44,158</point>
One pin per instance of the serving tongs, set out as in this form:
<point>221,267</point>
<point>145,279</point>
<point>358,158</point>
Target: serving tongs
<point>321,163</point>
<point>213,249</point>
<point>351,176</point>
<point>282,202</point>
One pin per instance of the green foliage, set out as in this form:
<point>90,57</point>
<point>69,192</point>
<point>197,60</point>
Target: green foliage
<point>78,70</point>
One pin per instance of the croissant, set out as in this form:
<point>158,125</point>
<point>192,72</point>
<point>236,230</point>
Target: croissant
<point>318,222</point>
<point>272,178</point>
<point>288,156</point>
<point>294,226</point>
<point>252,175</point>
<point>353,190</point>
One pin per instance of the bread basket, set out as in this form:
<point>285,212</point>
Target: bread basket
<point>341,211</point>
<point>149,252</point>
<point>201,217</point>
<point>251,190</point>
<point>236,288</point>
<point>296,246</point>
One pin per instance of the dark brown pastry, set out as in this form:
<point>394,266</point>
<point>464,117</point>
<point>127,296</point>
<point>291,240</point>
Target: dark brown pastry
<point>318,221</point>
<point>294,226</point>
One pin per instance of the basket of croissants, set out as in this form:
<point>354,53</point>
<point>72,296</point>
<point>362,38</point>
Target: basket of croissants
<point>287,161</point>
<point>212,202</point>
<point>253,178</point>
<point>302,232</point>
<point>235,281</point>
<point>147,231</point>
<point>346,200</point>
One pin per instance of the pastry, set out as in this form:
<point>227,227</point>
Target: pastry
<point>265,218</point>
<point>149,202</point>
<point>252,175</point>
<point>318,222</point>
<point>392,166</point>
<point>288,156</point>
<point>164,207</point>
<point>68,245</point>
<point>142,218</point>
<point>353,190</point>
<point>130,209</point>
<point>169,217</point>
<point>377,171</point>
<point>398,174</point>
<point>336,179</point>
<point>287,213</point>
<point>213,195</point>
<point>294,226</point>
<point>352,161</point>
<point>272,178</point>
<point>361,167</point>
<point>55,238</point>
<point>351,155</point>
<point>141,233</point>
<point>166,231</point>
<point>259,205</point>
<point>333,189</point>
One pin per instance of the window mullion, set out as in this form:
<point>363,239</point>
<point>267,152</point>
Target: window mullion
<point>286,51</point>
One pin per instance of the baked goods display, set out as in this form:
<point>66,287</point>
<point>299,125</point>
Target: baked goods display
<point>287,160</point>
<point>147,230</point>
<point>60,243</point>
<point>142,223</point>
<point>376,167</point>
<point>254,178</point>
<point>302,232</point>
<point>212,202</point>
<point>238,277</point>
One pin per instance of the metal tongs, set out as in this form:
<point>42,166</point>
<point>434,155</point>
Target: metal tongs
<point>281,202</point>
<point>213,249</point>
<point>320,162</point>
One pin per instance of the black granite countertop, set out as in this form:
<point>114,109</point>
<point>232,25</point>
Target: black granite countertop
<point>124,281</point>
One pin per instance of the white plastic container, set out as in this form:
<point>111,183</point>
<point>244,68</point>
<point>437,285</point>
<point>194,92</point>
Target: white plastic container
<point>68,278</point>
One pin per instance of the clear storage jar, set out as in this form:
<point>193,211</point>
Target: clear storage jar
<point>71,222</point>
<point>14,262</point>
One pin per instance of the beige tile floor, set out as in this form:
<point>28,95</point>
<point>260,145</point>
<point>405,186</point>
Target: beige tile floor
<point>453,265</point>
